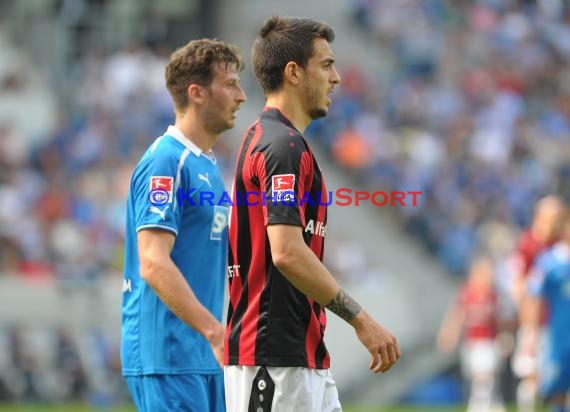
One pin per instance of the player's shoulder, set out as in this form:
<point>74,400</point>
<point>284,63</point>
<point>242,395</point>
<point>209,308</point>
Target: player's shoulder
<point>166,146</point>
<point>527,241</point>
<point>165,149</point>
<point>163,155</point>
<point>559,255</point>
<point>552,258</point>
<point>281,143</point>
<point>544,259</point>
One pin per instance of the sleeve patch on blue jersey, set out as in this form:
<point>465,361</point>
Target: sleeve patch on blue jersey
<point>160,190</point>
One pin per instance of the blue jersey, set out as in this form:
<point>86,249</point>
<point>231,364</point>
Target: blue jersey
<point>178,188</point>
<point>550,280</point>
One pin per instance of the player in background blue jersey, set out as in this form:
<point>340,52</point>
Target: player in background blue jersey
<point>176,247</point>
<point>549,284</point>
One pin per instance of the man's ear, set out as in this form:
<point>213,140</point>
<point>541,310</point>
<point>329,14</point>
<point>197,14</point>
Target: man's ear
<point>292,73</point>
<point>196,93</point>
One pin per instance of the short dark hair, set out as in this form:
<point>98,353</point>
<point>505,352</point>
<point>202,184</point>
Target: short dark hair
<point>194,64</point>
<point>281,40</point>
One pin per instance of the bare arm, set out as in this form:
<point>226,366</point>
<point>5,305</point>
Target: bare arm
<point>518,288</point>
<point>161,274</point>
<point>451,328</point>
<point>530,311</point>
<point>305,271</point>
<point>300,265</point>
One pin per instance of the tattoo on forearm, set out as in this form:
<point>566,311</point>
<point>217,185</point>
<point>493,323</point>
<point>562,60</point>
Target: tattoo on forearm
<point>344,306</point>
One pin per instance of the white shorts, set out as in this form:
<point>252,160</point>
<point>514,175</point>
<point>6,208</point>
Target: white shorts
<point>480,358</point>
<point>280,389</point>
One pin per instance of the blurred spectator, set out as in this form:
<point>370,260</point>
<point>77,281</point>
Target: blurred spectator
<point>70,367</point>
<point>24,375</point>
<point>351,150</point>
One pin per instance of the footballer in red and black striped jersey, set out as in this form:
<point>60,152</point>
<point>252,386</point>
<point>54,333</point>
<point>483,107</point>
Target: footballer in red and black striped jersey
<point>274,159</point>
<point>274,354</point>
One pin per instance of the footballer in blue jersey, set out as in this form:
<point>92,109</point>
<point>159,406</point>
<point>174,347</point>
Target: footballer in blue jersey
<point>158,341</point>
<point>176,241</point>
<point>549,283</point>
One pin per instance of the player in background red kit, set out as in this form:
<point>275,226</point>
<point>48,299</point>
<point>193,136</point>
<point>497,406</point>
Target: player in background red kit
<point>473,320</point>
<point>536,239</point>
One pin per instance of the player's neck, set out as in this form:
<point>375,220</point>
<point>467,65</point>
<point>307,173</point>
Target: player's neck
<point>291,107</point>
<point>194,130</point>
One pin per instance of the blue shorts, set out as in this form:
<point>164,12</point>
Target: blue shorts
<point>555,374</point>
<point>184,393</point>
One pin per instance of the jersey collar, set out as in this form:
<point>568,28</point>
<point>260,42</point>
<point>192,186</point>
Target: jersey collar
<point>281,116</point>
<point>178,135</point>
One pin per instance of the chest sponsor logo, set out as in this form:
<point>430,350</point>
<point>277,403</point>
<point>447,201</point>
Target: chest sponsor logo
<point>233,271</point>
<point>316,227</point>
<point>219,222</point>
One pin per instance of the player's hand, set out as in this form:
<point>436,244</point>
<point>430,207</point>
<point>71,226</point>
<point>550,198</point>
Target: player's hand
<point>216,339</point>
<point>381,344</point>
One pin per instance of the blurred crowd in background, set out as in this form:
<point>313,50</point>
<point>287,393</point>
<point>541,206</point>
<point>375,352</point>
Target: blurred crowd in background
<point>55,366</point>
<point>472,108</point>
<point>67,192</point>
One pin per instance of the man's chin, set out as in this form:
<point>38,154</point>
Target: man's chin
<point>318,112</point>
<point>224,127</point>
<point>230,123</point>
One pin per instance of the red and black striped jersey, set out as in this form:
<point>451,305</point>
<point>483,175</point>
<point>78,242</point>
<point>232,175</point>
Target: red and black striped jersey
<point>277,181</point>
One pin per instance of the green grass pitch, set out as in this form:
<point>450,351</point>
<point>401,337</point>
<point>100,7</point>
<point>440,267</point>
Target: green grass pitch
<point>82,408</point>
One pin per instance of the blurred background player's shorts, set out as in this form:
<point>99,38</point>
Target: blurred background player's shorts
<point>480,357</point>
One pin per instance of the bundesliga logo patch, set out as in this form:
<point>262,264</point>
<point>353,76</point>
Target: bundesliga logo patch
<point>161,189</point>
<point>283,188</point>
